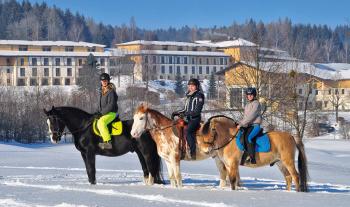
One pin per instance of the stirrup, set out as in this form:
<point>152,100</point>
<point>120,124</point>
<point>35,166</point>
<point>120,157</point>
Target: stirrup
<point>105,145</point>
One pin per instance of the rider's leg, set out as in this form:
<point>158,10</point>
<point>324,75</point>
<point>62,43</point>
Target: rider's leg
<point>102,126</point>
<point>254,130</point>
<point>193,125</point>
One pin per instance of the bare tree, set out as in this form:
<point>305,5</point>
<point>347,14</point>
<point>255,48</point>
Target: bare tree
<point>75,31</point>
<point>328,47</point>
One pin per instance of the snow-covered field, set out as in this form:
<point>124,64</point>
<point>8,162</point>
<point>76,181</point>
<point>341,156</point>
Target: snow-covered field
<point>54,175</point>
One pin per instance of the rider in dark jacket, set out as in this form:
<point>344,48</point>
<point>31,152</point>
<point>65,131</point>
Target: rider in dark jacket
<point>192,113</point>
<point>107,109</point>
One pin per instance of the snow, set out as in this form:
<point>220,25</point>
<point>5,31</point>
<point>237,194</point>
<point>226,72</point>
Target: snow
<point>43,175</point>
<point>183,52</point>
<point>239,42</point>
<point>168,43</point>
<point>52,53</point>
<point>49,43</point>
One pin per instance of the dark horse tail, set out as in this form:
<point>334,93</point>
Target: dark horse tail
<point>205,128</point>
<point>159,169</point>
<point>302,168</point>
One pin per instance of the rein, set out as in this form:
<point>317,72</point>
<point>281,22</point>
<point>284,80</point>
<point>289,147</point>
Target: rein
<point>228,142</point>
<point>68,132</point>
<point>153,128</point>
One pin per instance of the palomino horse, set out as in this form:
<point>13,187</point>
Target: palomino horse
<point>79,123</point>
<point>146,119</point>
<point>282,152</point>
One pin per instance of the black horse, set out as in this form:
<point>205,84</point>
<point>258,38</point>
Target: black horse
<point>79,123</point>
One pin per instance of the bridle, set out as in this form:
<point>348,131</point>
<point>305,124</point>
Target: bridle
<point>56,118</point>
<point>153,128</point>
<point>228,142</point>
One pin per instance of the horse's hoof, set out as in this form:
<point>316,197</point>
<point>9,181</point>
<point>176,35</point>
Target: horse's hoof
<point>93,182</point>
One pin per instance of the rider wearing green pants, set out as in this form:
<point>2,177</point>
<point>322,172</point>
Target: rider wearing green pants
<point>107,109</point>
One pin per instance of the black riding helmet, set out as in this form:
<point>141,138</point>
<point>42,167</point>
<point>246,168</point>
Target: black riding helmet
<point>105,76</point>
<point>194,81</point>
<point>251,91</point>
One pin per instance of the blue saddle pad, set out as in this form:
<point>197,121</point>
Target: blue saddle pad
<point>262,143</point>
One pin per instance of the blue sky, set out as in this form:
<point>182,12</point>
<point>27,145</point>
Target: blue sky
<point>152,14</point>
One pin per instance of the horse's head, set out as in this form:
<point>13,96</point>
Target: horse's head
<point>141,121</point>
<point>55,124</point>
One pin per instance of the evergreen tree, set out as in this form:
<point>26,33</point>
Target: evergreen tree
<point>179,89</point>
<point>212,91</point>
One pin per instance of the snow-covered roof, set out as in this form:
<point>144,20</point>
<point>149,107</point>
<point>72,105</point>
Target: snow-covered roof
<point>10,53</point>
<point>189,53</point>
<point>165,43</point>
<point>321,70</point>
<point>49,43</point>
<point>239,42</point>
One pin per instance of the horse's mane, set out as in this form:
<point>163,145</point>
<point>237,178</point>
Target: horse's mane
<point>142,108</point>
<point>71,110</point>
<point>205,128</point>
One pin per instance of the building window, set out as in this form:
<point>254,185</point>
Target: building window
<point>21,62</point>
<point>329,92</point>
<point>178,60</point>
<point>56,81</point>
<point>69,49</point>
<point>22,72</point>
<point>200,61</point>
<point>91,49</point>
<point>214,69</point>
<point>185,60</point>
<point>146,59</point>
<point>300,91</point>
<point>170,69</point>
<point>46,61</point>
<point>342,91</point>
<point>44,82</point>
<point>179,48</point>
<point>8,62</point>
<point>34,72</point>
<point>102,70</point>
<point>21,82</point>
<point>80,62</point>
<point>214,61</point>
<point>33,82</point>
<point>23,48</point>
<point>207,70</point>
<point>67,81</point>
<point>46,72</point>
<point>178,70</point>
<point>170,59</point>
<point>225,61</point>
<point>193,70</point>
<point>102,62</point>
<point>69,61</point>
<point>69,71</point>
<point>154,69</point>
<point>185,70</point>
<point>325,104</point>
<point>8,81</point>
<point>163,69</point>
<point>154,59</point>
<point>162,60</point>
<point>316,92</point>
<point>58,72</point>
<point>46,48</point>
<point>34,62</point>
<point>200,70</point>
<point>193,61</point>
<point>57,61</point>
<point>207,61</point>
<point>221,61</point>
<point>8,70</point>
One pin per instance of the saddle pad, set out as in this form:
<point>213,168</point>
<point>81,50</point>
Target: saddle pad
<point>262,143</point>
<point>115,129</point>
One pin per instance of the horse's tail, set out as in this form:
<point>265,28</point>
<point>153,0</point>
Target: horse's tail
<point>302,168</point>
<point>205,128</point>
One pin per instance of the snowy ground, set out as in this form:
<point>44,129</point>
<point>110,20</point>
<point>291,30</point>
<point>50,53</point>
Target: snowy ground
<point>54,175</point>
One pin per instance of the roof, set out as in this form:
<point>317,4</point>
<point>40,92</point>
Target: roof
<point>165,43</point>
<point>239,42</point>
<point>49,43</point>
<point>185,53</point>
<point>10,53</point>
<point>329,71</point>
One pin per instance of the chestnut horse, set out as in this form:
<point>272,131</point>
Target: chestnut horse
<point>160,128</point>
<point>282,152</point>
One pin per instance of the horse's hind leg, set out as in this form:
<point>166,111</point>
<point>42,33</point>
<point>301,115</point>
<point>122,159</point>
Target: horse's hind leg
<point>170,173</point>
<point>89,160</point>
<point>289,164</point>
<point>222,170</point>
<point>286,175</point>
<point>144,167</point>
<point>232,174</point>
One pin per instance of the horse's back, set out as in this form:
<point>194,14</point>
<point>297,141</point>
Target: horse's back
<point>281,140</point>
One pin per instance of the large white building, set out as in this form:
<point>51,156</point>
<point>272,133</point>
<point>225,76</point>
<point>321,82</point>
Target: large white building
<point>166,59</point>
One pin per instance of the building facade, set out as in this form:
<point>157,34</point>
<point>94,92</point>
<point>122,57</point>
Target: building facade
<point>167,60</point>
<point>46,63</point>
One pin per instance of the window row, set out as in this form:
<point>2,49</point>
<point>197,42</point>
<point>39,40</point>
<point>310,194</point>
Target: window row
<point>185,60</point>
<point>49,48</point>
<point>43,82</point>
<point>56,61</point>
<point>46,72</point>
<point>189,70</point>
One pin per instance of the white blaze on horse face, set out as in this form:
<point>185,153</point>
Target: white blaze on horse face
<point>50,132</point>
<point>138,127</point>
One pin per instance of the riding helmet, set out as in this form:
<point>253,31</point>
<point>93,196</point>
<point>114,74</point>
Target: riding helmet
<point>250,91</point>
<point>194,81</point>
<point>105,76</point>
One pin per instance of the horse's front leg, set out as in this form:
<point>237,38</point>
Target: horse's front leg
<point>177,172</point>
<point>170,173</point>
<point>90,157</point>
<point>222,170</point>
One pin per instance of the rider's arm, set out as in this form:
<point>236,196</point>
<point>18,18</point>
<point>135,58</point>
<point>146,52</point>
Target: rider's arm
<point>250,115</point>
<point>111,101</point>
<point>199,106</point>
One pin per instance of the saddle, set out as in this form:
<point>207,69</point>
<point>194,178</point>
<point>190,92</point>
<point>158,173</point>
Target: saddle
<point>115,128</point>
<point>180,130</point>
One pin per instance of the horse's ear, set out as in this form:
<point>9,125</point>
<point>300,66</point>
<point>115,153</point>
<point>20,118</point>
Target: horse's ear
<point>46,112</point>
<point>52,108</point>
